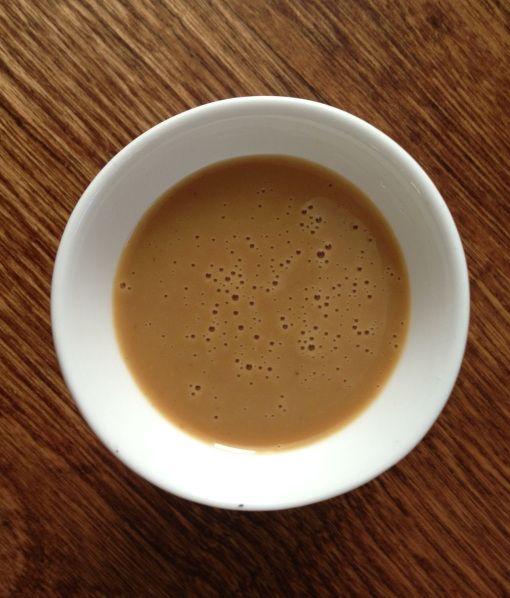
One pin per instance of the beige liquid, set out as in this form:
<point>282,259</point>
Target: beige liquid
<point>261,302</point>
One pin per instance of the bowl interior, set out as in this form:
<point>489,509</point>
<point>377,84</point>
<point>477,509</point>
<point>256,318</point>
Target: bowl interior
<point>109,211</point>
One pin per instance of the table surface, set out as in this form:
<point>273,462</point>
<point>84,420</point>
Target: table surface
<point>79,80</point>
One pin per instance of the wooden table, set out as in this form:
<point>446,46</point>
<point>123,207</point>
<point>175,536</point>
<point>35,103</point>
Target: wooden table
<point>81,78</point>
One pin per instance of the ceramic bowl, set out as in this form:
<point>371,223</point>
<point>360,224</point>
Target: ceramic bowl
<point>107,214</point>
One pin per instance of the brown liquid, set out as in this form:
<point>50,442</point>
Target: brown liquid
<point>261,302</point>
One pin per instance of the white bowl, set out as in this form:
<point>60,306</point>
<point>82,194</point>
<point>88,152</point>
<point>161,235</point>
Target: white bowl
<point>105,217</point>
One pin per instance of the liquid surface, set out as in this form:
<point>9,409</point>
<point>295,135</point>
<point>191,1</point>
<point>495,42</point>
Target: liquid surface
<point>261,303</point>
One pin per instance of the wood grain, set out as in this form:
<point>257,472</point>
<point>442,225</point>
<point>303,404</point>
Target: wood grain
<point>81,78</point>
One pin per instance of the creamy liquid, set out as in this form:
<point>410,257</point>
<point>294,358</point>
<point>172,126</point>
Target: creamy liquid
<point>262,302</point>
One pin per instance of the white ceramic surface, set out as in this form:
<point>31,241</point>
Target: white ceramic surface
<point>105,217</point>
